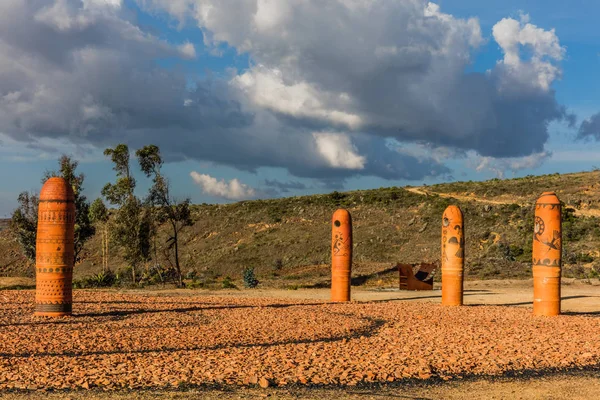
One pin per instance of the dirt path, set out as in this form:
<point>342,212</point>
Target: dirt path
<point>421,191</point>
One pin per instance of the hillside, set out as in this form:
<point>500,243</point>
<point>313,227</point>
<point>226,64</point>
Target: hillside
<point>288,240</point>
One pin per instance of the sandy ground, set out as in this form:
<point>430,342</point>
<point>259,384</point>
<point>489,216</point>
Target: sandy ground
<point>584,386</point>
<point>578,298</point>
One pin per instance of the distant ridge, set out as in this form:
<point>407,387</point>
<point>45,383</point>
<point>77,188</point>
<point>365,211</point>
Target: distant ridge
<point>288,240</point>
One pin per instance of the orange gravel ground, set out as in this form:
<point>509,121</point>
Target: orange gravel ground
<point>118,341</point>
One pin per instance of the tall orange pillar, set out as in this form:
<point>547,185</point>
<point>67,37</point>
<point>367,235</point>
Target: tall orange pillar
<point>54,249</point>
<point>341,255</point>
<point>547,246</point>
<point>453,256</point>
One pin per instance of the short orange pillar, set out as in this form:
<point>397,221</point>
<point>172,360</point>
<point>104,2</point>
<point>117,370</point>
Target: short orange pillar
<point>341,255</point>
<point>547,246</point>
<point>453,256</point>
<point>54,249</point>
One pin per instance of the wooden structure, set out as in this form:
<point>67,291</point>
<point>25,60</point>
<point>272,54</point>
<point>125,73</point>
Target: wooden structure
<point>416,276</point>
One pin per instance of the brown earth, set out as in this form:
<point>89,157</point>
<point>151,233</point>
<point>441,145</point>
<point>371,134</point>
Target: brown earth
<point>583,386</point>
<point>172,340</point>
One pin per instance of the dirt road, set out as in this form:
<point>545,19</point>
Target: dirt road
<point>587,212</point>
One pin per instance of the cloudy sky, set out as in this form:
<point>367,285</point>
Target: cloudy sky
<point>266,98</point>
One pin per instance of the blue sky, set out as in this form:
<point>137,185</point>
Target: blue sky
<point>262,98</point>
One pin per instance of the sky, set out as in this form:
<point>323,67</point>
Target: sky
<point>256,99</point>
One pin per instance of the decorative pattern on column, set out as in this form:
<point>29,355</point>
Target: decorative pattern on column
<point>341,255</point>
<point>54,249</point>
<point>453,256</point>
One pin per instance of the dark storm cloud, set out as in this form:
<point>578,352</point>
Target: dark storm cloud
<point>324,109</point>
<point>590,128</point>
<point>284,187</point>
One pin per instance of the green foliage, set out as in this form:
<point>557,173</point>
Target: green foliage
<point>84,229</point>
<point>120,191</point>
<point>132,227</point>
<point>98,212</point>
<point>584,258</point>
<point>250,280</point>
<point>99,280</point>
<point>176,213</point>
<point>99,216</point>
<point>24,219</point>
<point>158,274</point>
<point>337,197</point>
<point>24,223</point>
<point>228,283</point>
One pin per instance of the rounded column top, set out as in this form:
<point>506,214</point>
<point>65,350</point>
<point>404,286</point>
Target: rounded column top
<point>453,212</point>
<point>548,198</point>
<point>340,217</point>
<point>57,188</point>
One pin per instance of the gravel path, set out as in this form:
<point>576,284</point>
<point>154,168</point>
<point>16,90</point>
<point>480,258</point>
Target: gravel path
<point>135,341</point>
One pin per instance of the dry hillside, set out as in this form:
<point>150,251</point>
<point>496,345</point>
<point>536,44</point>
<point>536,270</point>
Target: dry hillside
<point>287,240</point>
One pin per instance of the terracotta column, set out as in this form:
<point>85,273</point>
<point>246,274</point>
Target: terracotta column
<point>547,246</point>
<point>54,249</point>
<point>341,255</point>
<point>453,256</point>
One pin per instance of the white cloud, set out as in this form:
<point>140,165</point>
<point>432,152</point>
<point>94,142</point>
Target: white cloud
<point>271,14</point>
<point>338,151</point>
<point>232,190</point>
<point>540,71</point>
<point>369,70</point>
<point>266,89</point>
<point>394,67</point>
<point>499,166</point>
<point>187,50</point>
<point>103,3</point>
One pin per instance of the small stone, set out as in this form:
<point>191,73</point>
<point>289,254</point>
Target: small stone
<point>264,383</point>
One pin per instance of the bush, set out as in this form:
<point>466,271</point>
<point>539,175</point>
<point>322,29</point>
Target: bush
<point>250,280</point>
<point>228,283</point>
<point>101,279</point>
<point>278,265</point>
<point>584,258</point>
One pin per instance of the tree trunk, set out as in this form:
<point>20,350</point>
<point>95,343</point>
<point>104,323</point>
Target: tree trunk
<point>103,250</point>
<point>176,243</point>
<point>106,244</point>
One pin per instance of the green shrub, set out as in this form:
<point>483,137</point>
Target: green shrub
<point>101,279</point>
<point>584,258</point>
<point>250,280</point>
<point>228,283</point>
